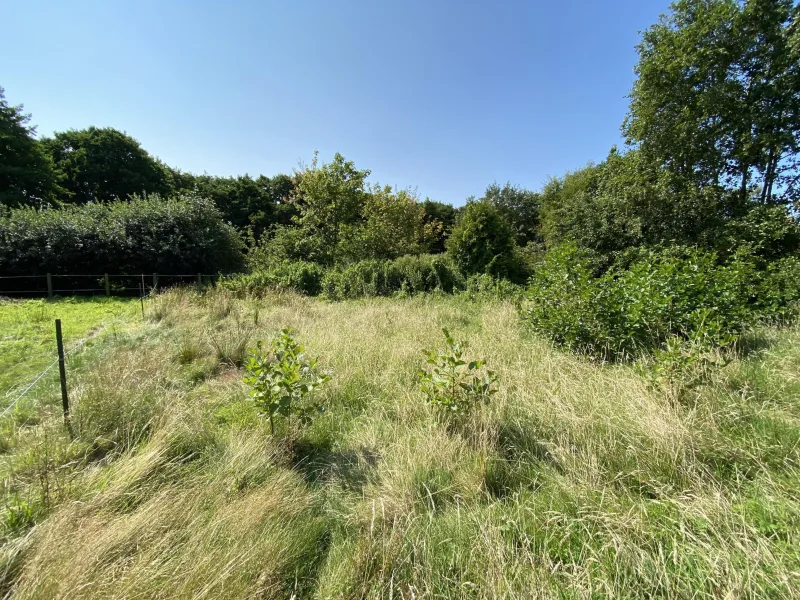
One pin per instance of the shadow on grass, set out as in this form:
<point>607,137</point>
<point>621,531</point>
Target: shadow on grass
<point>320,463</point>
<point>520,461</point>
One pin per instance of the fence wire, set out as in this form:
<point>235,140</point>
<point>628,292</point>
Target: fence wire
<point>78,345</point>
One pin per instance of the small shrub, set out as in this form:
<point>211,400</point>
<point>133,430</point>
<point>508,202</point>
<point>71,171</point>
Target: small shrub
<point>283,379</point>
<point>451,383</point>
<point>680,367</point>
<point>484,242</point>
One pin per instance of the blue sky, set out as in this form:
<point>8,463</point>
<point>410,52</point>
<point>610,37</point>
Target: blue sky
<point>446,97</point>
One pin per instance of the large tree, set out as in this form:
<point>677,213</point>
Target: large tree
<point>102,164</point>
<point>26,174</point>
<point>330,198</point>
<point>520,207</point>
<point>717,97</point>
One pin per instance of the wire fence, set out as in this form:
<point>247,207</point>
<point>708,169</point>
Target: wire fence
<point>108,284</point>
<point>67,352</point>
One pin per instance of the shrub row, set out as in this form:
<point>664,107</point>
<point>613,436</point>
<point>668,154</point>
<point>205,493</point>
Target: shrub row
<point>177,235</point>
<point>407,274</point>
<point>303,277</point>
<point>680,292</point>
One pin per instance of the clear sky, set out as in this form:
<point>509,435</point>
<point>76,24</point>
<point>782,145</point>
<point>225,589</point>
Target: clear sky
<point>446,97</point>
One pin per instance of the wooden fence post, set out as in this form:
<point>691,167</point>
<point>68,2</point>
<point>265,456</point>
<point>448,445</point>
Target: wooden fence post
<point>49,286</point>
<point>62,371</point>
<point>155,281</point>
<point>108,286</point>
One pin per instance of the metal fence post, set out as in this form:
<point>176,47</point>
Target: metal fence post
<point>62,371</point>
<point>49,286</point>
<point>155,281</point>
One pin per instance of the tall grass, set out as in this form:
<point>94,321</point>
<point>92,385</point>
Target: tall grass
<point>578,480</point>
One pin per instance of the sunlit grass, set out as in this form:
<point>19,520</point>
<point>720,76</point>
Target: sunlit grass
<point>27,332</point>
<point>578,480</point>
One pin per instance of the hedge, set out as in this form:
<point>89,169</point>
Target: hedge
<point>184,234</point>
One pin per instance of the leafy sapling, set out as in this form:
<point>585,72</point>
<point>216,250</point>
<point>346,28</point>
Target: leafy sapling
<point>283,379</point>
<point>453,384</point>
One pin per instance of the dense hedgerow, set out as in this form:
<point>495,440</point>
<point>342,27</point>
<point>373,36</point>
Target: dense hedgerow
<point>407,274</point>
<point>183,234</point>
<point>299,276</point>
<point>685,293</point>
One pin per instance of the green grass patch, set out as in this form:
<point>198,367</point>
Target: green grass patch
<point>28,340</point>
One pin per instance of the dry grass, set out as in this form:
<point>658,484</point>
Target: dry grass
<point>577,481</point>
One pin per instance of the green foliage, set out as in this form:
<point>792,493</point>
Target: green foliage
<point>519,207</point>
<point>407,275</point>
<point>778,291</point>
<point>681,366</point>
<point>626,203</point>
<point>483,242</point>
<point>681,293</point>
<point>391,225</point>
<point>103,164</point>
<point>767,232</point>
<point>330,200</point>
<point>453,384</point>
<point>441,218</point>
<point>718,83</point>
<point>175,235</point>
<point>299,276</point>
<point>485,286</point>
<point>283,379</point>
<point>26,173</point>
<point>248,204</point>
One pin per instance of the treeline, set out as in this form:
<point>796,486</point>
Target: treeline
<point>710,172</point>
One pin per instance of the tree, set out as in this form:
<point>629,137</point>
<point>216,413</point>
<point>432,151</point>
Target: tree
<point>483,242</point>
<point>392,225</point>
<point>103,164</point>
<point>330,199</point>
<point>717,95</point>
<point>520,208</point>
<point>441,217</point>
<point>26,174</point>
<point>626,202</point>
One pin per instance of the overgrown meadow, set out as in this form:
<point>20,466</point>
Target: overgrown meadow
<point>575,479</point>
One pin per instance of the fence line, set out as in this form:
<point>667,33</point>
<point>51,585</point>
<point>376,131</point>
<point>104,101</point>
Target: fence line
<point>78,345</point>
<point>104,283</point>
<point>102,275</point>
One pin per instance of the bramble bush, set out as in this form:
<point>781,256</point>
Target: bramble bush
<point>623,314</point>
<point>283,379</point>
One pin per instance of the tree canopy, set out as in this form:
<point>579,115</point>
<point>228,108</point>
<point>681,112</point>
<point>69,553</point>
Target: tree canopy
<point>26,174</point>
<point>103,164</point>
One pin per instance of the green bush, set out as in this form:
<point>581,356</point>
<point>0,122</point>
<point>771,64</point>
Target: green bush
<point>779,289</point>
<point>484,242</point>
<point>303,277</point>
<point>183,234</point>
<point>407,274</point>
<point>679,292</point>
